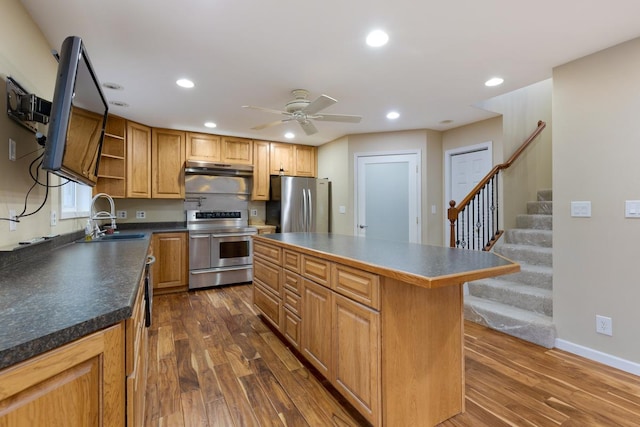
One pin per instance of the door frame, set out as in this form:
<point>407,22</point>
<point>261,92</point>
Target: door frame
<point>448,155</point>
<point>418,154</point>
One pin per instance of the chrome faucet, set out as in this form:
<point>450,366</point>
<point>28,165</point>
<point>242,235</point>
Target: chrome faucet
<point>102,214</point>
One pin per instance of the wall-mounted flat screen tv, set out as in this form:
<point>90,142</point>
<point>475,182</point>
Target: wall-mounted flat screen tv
<point>78,117</point>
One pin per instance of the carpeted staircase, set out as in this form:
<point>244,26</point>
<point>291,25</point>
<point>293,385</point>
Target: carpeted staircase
<point>520,304</point>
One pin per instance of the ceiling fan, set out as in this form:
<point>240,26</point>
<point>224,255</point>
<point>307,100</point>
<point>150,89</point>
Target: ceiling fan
<point>303,110</point>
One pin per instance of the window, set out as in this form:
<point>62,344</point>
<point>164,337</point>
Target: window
<point>75,200</point>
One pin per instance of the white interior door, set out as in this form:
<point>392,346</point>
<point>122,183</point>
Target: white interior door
<point>464,168</point>
<point>388,197</point>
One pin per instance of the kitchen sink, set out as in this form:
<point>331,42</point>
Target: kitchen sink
<point>116,237</point>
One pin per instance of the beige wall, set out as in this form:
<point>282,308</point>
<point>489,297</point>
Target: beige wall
<point>596,133</point>
<point>472,134</point>
<point>333,163</point>
<point>25,56</point>
<point>521,110</point>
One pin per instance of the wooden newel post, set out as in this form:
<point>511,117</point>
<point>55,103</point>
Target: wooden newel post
<point>452,214</point>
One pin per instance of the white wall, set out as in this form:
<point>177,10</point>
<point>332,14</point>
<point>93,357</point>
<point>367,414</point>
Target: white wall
<point>596,152</point>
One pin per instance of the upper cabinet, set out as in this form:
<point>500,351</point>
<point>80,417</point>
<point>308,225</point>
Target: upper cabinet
<point>167,163</point>
<point>260,171</point>
<point>112,168</point>
<point>291,159</point>
<point>214,148</point>
<point>205,147</point>
<point>138,161</point>
<point>304,160</point>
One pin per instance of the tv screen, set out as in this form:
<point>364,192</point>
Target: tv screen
<point>78,117</point>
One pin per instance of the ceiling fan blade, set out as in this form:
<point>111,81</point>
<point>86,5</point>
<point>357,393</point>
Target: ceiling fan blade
<point>268,125</point>
<point>345,118</point>
<point>320,103</point>
<point>268,110</point>
<point>308,127</point>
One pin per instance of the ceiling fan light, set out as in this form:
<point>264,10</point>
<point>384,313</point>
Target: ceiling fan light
<point>186,83</point>
<point>289,135</point>
<point>377,38</point>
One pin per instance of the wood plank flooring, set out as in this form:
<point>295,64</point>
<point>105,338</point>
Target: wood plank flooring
<point>213,362</point>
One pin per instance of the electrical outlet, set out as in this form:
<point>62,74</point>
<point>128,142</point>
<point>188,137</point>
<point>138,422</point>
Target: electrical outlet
<point>54,218</point>
<point>12,150</point>
<point>254,212</point>
<point>604,325</point>
<point>140,215</point>
<point>121,214</point>
<point>13,226</point>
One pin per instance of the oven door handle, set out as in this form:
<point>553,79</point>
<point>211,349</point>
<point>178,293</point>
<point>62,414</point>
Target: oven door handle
<point>231,235</point>
<point>218,269</point>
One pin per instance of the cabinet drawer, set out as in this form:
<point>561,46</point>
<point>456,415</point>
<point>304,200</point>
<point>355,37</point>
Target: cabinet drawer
<point>292,281</point>
<point>291,260</point>
<point>291,327</point>
<point>316,269</point>
<point>268,304</point>
<point>356,284</point>
<point>268,274</point>
<point>268,252</point>
<point>292,302</point>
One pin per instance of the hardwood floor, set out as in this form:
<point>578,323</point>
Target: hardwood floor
<point>214,363</point>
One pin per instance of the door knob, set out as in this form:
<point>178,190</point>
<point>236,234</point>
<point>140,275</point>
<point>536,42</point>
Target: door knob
<point>363,226</point>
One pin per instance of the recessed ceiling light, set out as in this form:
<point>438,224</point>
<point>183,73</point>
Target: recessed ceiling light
<point>185,83</point>
<point>392,115</point>
<point>377,38</point>
<point>446,122</point>
<point>495,81</point>
<point>119,103</point>
<point>289,135</point>
<point>114,86</point>
<point>210,124</point>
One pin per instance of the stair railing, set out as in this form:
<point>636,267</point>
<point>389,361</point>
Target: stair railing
<point>474,222</point>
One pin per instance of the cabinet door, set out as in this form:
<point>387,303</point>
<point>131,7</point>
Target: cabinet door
<point>78,384</point>
<point>280,157</point>
<point>167,155</point>
<point>138,161</point>
<point>316,326</point>
<point>260,171</point>
<point>356,355</point>
<point>237,151</point>
<point>170,268</point>
<point>305,160</point>
<point>202,146</point>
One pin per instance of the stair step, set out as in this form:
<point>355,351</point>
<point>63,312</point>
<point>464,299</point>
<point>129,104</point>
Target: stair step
<point>544,207</point>
<point>528,236</point>
<point>545,195</point>
<point>534,255</point>
<point>537,222</point>
<point>514,294</point>
<point>524,324</point>
<point>538,276</point>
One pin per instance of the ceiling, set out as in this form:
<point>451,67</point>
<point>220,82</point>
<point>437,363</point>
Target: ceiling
<point>255,52</point>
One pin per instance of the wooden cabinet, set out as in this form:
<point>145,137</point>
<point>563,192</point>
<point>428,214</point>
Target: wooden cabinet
<point>138,161</point>
<point>113,166</point>
<point>214,148</point>
<point>136,360</point>
<point>316,326</point>
<point>280,158</point>
<point>260,171</point>
<point>330,313</point>
<point>170,271</point>
<point>304,160</point>
<point>167,163</point>
<point>78,384</point>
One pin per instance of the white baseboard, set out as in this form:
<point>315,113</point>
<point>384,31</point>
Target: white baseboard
<point>598,356</point>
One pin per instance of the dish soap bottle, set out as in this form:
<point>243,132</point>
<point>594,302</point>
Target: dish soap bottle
<point>88,230</point>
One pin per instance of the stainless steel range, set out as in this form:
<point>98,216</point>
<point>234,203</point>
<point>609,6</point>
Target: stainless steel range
<point>217,210</point>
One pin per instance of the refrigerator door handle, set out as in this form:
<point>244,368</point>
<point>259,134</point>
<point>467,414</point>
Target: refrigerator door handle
<point>304,210</point>
<point>310,212</point>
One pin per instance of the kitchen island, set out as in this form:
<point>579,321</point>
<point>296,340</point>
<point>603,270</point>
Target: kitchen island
<point>381,321</point>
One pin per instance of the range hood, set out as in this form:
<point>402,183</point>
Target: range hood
<point>196,167</point>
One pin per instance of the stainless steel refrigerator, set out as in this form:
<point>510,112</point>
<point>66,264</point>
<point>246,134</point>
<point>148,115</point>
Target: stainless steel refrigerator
<point>299,204</point>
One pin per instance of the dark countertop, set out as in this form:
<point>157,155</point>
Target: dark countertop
<point>66,293</point>
<point>420,265</point>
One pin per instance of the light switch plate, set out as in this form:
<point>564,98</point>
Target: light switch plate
<point>581,209</point>
<point>632,209</point>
